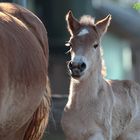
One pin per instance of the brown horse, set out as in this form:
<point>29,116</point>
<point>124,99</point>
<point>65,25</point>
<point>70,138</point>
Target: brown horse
<point>97,109</point>
<point>24,86</point>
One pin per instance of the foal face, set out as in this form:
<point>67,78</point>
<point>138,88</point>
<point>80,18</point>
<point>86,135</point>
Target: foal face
<point>84,51</point>
<point>84,44</point>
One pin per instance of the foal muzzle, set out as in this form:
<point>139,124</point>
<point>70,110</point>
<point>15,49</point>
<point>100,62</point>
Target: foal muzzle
<point>76,68</point>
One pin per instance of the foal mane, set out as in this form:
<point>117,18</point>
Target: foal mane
<point>87,20</point>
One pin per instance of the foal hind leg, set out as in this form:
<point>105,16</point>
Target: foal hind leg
<point>132,132</point>
<point>130,136</point>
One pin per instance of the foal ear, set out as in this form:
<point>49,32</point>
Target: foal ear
<point>103,24</point>
<point>72,23</point>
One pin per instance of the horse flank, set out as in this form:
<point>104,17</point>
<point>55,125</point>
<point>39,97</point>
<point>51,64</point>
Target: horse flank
<point>24,45</point>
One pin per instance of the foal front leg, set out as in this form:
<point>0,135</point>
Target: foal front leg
<point>97,136</point>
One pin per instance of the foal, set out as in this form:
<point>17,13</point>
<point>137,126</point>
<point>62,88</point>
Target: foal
<point>97,109</point>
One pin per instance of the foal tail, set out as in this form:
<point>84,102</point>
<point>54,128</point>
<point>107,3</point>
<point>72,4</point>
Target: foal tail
<point>39,120</point>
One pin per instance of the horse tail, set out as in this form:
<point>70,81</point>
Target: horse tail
<point>39,120</point>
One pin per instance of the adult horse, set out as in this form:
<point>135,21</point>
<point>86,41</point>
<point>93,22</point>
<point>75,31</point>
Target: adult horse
<point>24,87</point>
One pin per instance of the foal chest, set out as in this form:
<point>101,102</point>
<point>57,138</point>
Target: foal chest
<point>82,123</point>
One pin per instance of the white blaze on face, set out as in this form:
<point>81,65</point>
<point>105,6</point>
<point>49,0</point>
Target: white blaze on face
<point>77,58</point>
<point>83,32</point>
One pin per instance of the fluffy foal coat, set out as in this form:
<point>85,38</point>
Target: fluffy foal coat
<point>97,109</point>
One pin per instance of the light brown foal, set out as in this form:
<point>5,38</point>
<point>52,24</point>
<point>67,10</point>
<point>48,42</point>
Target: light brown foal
<point>97,109</point>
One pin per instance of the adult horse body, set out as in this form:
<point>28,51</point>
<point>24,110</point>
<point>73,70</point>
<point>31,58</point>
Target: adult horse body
<point>24,87</point>
<point>97,109</point>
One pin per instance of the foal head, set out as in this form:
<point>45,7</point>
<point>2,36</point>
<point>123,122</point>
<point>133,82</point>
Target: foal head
<point>84,44</point>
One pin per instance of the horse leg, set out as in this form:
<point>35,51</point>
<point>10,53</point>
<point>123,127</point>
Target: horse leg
<point>97,136</point>
<point>130,136</point>
<point>132,132</point>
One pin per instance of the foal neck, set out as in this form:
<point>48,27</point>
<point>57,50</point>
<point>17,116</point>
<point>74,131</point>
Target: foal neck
<point>83,91</point>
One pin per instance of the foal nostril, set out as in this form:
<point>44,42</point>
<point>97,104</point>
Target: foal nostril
<point>82,66</point>
<point>70,65</point>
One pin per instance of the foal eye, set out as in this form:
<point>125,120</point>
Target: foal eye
<point>68,44</point>
<point>95,45</point>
